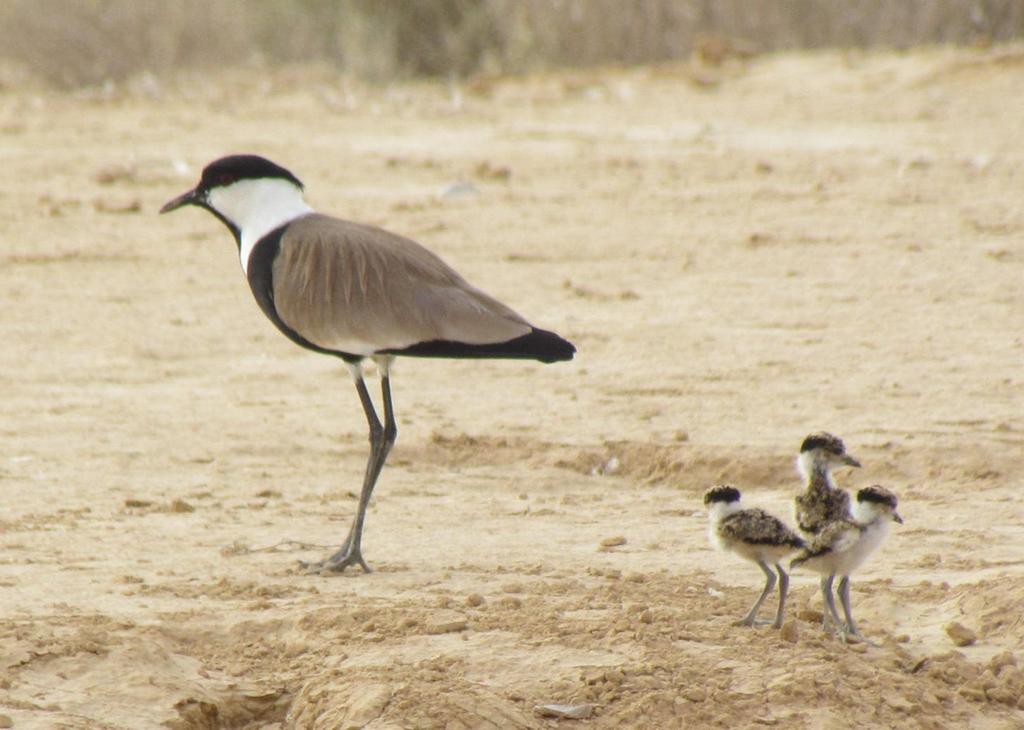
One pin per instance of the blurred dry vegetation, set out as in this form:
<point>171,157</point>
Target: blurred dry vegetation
<point>73,43</point>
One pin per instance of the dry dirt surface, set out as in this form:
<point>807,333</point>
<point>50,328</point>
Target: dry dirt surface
<point>743,254</point>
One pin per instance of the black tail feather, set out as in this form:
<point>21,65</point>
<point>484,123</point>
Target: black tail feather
<point>537,344</point>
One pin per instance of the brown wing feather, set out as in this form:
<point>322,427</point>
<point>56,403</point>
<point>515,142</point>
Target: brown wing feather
<point>835,537</point>
<point>819,506</point>
<point>359,289</point>
<point>756,527</point>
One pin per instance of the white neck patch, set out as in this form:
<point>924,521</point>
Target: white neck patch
<point>257,207</point>
<point>810,464</point>
<point>718,511</point>
<point>867,512</point>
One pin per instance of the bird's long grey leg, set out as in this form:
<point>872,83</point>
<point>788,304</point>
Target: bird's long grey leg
<point>783,590</point>
<point>382,437</point>
<point>390,424</point>
<point>844,600</point>
<point>769,585</point>
<point>829,612</point>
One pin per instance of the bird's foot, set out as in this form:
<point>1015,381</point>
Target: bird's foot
<point>847,635</point>
<point>748,621</point>
<point>337,563</point>
<point>852,637</point>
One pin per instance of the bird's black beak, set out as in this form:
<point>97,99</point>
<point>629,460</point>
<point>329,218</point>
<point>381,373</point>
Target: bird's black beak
<point>847,459</point>
<point>896,517</point>
<point>192,197</point>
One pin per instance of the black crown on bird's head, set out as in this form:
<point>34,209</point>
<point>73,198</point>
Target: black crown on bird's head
<point>824,441</point>
<point>231,169</point>
<point>878,495</point>
<point>227,171</point>
<point>722,493</point>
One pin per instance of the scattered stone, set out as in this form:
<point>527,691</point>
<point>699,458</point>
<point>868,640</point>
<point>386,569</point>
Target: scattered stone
<point>695,694</point>
<point>103,205</point>
<point>446,622</point>
<point>459,189</point>
<point>979,163</point>
<point>181,506</point>
<point>367,705</point>
<point>810,615</point>
<point>493,172</point>
<point>615,676</point>
<point>790,632</point>
<point>111,174</point>
<point>1003,659</point>
<point>6,721</point>
<point>900,703</point>
<point>918,162</point>
<point>960,634</point>
<point>474,600</point>
<point>610,542</point>
<point>569,712</point>
<point>137,503</point>
<point>972,692</point>
<point>1002,695</point>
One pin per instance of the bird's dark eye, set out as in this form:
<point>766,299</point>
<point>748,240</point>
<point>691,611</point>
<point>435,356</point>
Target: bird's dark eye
<point>225,178</point>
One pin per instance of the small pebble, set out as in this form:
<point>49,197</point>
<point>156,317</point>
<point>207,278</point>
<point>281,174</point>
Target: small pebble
<point>609,543</point>
<point>181,506</point>
<point>1003,659</point>
<point>695,694</point>
<point>960,634</point>
<point>572,712</point>
<point>474,600</point>
<point>810,615</point>
<point>446,622</point>
<point>790,632</point>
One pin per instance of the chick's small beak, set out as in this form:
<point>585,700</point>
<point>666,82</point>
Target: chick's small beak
<point>192,197</point>
<point>896,517</point>
<point>850,461</point>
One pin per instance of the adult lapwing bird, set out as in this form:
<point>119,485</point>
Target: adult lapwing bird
<point>754,535</point>
<point>821,501</point>
<point>355,292</point>
<point>843,546</point>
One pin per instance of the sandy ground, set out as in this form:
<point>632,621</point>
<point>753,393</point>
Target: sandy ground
<point>805,242</point>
